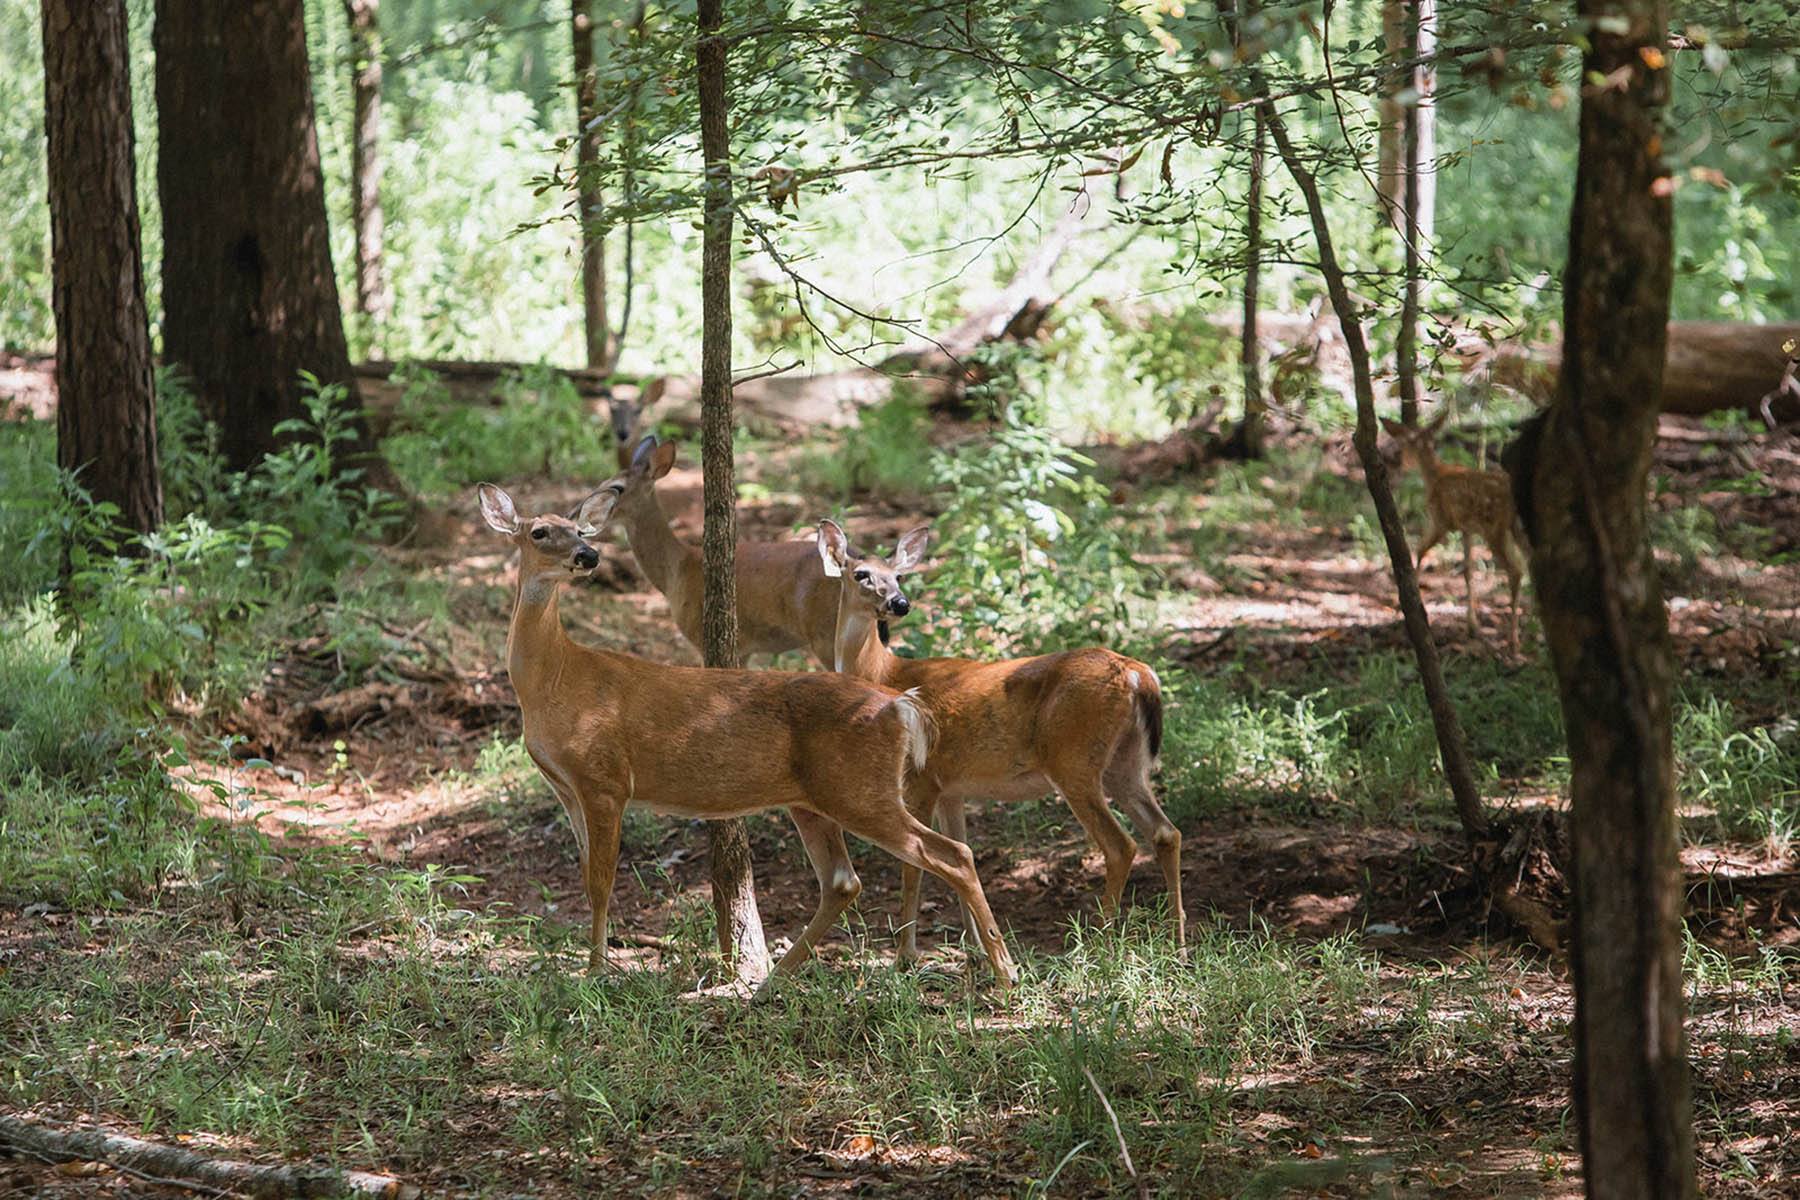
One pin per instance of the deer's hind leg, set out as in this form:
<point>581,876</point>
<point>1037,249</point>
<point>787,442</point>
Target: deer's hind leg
<point>838,884</point>
<point>1128,785</point>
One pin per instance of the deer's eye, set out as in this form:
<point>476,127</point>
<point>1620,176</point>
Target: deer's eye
<point>539,534</point>
<point>862,577</point>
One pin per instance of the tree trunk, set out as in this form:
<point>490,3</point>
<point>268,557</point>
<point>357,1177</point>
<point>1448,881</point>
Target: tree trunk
<point>106,408</point>
<point>1414,210</point>
<point>734,886</point>
<point>1581,473</point>
<point>1410,30</point>
<point>1246,441</point>
<point>587,188</point>
<point>372,299</point>
<point>249,297</point>
<point>1452,748</point>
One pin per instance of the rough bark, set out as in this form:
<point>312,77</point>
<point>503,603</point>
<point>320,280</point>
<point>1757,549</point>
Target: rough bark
<point>172,1164</point>
<point>372,298</point>
<point>249,297</point>
<point>598,336</point>
<point>106,414</point>
<point>1581,472</point>
<point>734,887</point>
<point>1452,747</point>
<point>1708,367</point>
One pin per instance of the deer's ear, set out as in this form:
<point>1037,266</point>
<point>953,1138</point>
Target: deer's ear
<point>663,460</point>
<point>834,548</point>
<point>1394,428</point>
<point>497,508</point>
<point>640,457</point>
<point>911,550</point>
<point>592,514</point>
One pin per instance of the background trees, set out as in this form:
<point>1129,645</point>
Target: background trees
<point>106,419</point>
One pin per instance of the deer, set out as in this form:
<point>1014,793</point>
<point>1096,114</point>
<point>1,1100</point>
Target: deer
<point>784,601</point>
<point>1085,723</point>
<point>1471,502</point>
<point>608,730</point>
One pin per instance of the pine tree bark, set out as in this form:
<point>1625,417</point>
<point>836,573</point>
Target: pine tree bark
<point>1580,474</point>
<point>372,298</point>
<point>106,409</point>
<point>598,335</point>
<point>734,886</point>
<point>249,297</point>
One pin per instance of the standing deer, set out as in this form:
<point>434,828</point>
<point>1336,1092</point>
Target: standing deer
<point>609,729</point>
<point>1086,723</point>
<point>784,601</point>
<point>1470,502</point>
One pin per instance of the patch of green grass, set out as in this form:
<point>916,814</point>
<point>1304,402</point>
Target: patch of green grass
<point>29,523</point>
<point>1749,775</point>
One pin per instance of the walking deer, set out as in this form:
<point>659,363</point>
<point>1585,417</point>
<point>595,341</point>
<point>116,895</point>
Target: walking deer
<point>1086,723</point>
<point>608,730</point>
<point>784,601</point>
<point>1470,502</point>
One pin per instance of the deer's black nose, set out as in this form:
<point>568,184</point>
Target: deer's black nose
<point>587,558</point>
<point>899,606</point>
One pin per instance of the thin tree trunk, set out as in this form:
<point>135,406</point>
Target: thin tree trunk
<point>1412,233</point>
<point>598,336</point>
<point>734,886</point>
<point>106,408</point>
<point>1410,29</point>
<point>1246,441</point>
<point>1452,748</point>
<point>1581,473</point>
<point>372,299</point>
<point>249,296</point>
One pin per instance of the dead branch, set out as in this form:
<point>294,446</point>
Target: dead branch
<point>152,1159</point>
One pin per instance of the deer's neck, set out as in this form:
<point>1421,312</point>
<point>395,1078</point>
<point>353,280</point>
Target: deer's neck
<point>535,641</point>
<point>660,554</point>
<point>1430,469</point>
<point>861,650</point>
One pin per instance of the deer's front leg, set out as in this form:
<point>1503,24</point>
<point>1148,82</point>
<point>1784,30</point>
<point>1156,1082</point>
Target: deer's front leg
<point>600,819</point>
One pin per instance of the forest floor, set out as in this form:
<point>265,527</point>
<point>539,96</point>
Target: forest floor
<point>1408,1046</point>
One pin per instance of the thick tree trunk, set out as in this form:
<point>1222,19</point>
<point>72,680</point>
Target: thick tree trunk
<point>1581,473</point>
<point>1452,747</point>
<point>372,299</point>
<point>249,297</point>
<point>734,886</point>
<point>106,409</point>
<point>598,336</point>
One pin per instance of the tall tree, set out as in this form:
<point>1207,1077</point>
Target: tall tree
<point>105,415</point>
<point>372,299</point>
<point>249,296</point>
<point>598,336</point>
<point>1409,109</point>
<point>734,886</point>
<point>1580,474</point>
<point>1418,197</point>
<point>1247,440</point>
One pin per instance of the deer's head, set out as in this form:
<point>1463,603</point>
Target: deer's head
<point>550,545</point>
<point>1416,443</point>
<point>648,462</point>
<point>869,578</point>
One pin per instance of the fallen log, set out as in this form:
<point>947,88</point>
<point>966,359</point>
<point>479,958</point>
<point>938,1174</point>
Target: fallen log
<point>175,1165</point>
<point>1712,366</point>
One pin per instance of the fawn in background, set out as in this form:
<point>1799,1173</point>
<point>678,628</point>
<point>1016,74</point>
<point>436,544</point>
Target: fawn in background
<point>1471,502</point>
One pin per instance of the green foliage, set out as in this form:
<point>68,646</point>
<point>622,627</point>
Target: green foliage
<point>30,510</point>
<point>541,427</point>
<point>1747,774</point>
<point>1029,560</point>
<point>887,453</point>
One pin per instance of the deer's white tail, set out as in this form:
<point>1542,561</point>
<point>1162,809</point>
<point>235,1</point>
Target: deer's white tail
<point>920,733</point>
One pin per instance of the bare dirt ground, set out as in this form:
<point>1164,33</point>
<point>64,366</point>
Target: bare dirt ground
<point>1357,1120</point>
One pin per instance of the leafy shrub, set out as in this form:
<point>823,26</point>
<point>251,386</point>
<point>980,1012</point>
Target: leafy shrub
<point>31,517</point>
<point>888,453</point>
<point>1029,558</point>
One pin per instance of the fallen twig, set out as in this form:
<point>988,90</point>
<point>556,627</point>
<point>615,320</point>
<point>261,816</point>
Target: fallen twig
<point>1143,1189</point>
<point>151,1160</point>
